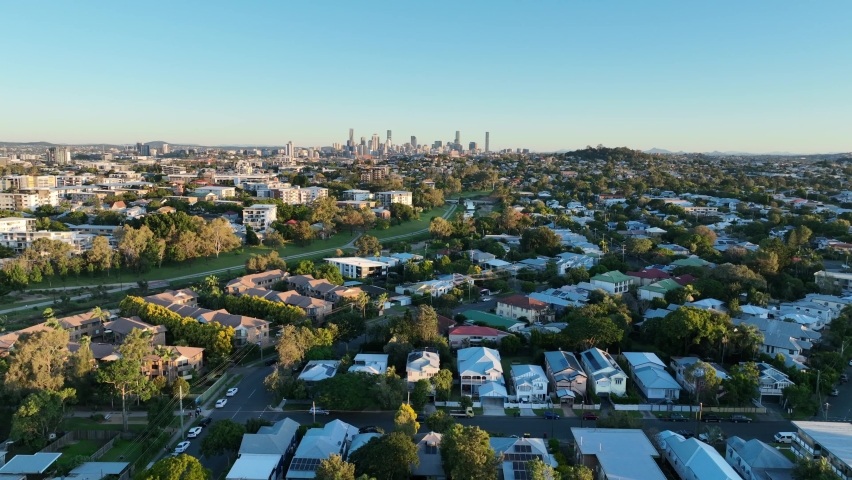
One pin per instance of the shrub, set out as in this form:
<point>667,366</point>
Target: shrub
<point>97,417</point>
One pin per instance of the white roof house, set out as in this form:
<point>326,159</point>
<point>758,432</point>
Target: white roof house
<point>650,375</point>
<point>620,453</point>
<point>530,382</point>
<point>250,466</point>
<point>277,439</point>
<point>428,451</point>
<point>478,366</point>
<point>516,452</point>
<point>754,459</point>
<point>317,445</point>
<point>604,372</point>
<point>318,370</point>
<point>374,363</point>
<point>693,459</point>
<point>422,364</point>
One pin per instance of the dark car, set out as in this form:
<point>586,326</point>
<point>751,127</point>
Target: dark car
<point>551,416</point>
<point>205,422</point>
<point>844,378</point>
<point>676,417</point>
<point>737,418</point>
<point>421,417</point>
<point>711,418</point>
<point>271,361</point>
<point>685,433</point>
<point>590,416</point>
<point>370,429</point>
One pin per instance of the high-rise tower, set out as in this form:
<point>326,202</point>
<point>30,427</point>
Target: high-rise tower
<point>458,137</point>
<point>389,138</point>
<point>486,142</point>
<point>413,141</point>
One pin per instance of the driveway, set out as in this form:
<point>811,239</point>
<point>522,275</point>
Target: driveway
<point>526,410</point>
<point>493,407</point>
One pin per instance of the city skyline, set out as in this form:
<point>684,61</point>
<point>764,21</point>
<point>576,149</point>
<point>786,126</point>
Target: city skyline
<point>728,76</point>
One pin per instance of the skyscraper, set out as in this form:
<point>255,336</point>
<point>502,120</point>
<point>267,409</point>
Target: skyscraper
<point>352,136</point>
<point>486,143</point>
<point>473,146</point>
<point>290,149</point>
<point>413,141</point>
<point>363,141</point>
<point>166,149</point>
<point>375,141</point>
<point>59,155</point>
<point>389,138</point>
<point>458,138</point>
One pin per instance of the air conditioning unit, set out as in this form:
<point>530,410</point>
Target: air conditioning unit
<point>51,437</point>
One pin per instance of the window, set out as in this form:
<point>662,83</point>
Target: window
<point>618,381</point>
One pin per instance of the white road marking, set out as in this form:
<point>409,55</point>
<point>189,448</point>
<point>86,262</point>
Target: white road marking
<point>252,393</point>
<point>235,413</point>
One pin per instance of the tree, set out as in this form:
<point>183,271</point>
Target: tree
<point>335,468</point>
<point>705,232</point>
<point>798,396</point>
<point>405,420</point>
<point>180,388</point>
<point>587,332</point>
<point>538,470</point>
<point>440,228</point>
<point>440,421</point>
<point>702,376</point>
<point>467,454</point>
<point>638,246</point>
<point>40,414</point>
<point>420,394</point>
<point>219,235</point>
<point>325,209</point>
<point>181,467</point>
<point>125,377</point>
<point>251,236</point>
<point>367,245</point>
<point>813,469</point>
<point>425,325</point>
<point>253,425</point>
<point>81,367</point>
<point>443,382</point>
<point>329,272</point>
<point>100,254</point>
<point>223,436</point>
<point>303,233</point>
<point>575,472</point>
<point>387,457</point>
<point>741,384</point>
<point>38,362</point>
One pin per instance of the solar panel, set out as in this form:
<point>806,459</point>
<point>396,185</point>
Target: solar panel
<point>523,448</point>
<point>305,464</point>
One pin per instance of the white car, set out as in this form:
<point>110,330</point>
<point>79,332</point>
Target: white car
<point>221,402</point>
<point>318,411</point>
<point>182,446</point>
<point>486,299</point>
<point>232,392</point>
<point>193,432</point>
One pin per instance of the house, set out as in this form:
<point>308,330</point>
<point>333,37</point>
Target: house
<point>566,261</point>
<point>99,471</point>
<point>566,375</point>
<point>692,261</point>
<point>182,362</point>
<point>444,325</point>
<point>755,460</point>
<point>680,364</point>
<point>299,283</point>
<point>492,320</point>
<point>472,335</point>
<point>657,289</point>
<point>789,338</point>
<point>828,440</point>
<point>185,296</point>
<point>708,304</point>
<point>648,276</point>
<point>613,282</point>
<point>675,249</point>
<point>29,467</point>
<point>82,325</point>
<point>771,382</point>
<point>421,365</point>
<point>356,267</point>
<point>255,280</point>
<point>607,377</point>
<point>8,340</point>
<point>429,454</point>
<point>263,455</point>
<point>435,288</point>
<point>314,308</point>
<point>121,327</point>
<point>822,313</point>
<point>693,459</point>
<point>514,453</point>
<point>478,257</point>
<point>247,330</point>
<point>372,363</point>
<point>318,370</point>
<point>651,378</point>
<point>394,196</point>
<point>220,192</point>
<point>616,453</point>
<point>517,306</point>
<point>530,383</point>
<point>480,367</point>
<point>317,445</point>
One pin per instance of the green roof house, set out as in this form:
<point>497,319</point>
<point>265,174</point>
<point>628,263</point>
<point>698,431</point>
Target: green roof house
<point>613,282</point>
<point>691,262</point>
<point>657,289</point>
<point>492,320</point>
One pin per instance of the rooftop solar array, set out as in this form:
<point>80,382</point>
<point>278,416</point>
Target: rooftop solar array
<point>305,464</point>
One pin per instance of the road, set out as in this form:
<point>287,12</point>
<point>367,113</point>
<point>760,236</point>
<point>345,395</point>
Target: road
<point>252,400</point>
<point>118,287</point>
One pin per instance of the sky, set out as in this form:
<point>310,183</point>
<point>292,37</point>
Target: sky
<point>756,76</point>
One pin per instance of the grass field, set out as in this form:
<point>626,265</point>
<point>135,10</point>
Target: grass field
<point>412,226</point>
<point>78,423</point>
<point>134,450</point>
<point>82,447</point>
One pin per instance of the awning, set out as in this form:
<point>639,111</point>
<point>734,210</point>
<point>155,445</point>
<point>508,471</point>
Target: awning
<point>565,393</point>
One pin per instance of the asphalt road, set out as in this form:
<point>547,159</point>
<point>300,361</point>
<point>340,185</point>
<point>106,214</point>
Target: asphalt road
<point>252,400</point>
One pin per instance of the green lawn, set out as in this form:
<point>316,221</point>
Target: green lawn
<point>469,194</point>
<point>79,423</point>
<point>130,451</point>
<point>412,226</point>
<point>82,447</point>
<point>507,362</point>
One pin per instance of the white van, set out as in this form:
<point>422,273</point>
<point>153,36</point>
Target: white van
<point>784,437</point>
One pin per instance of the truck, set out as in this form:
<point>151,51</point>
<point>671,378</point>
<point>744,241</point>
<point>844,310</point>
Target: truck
<point>468,412</point>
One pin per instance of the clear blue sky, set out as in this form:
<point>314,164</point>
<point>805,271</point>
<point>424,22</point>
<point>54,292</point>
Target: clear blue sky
<point>729,75</point>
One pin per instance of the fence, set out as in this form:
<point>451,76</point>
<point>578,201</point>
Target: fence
<point>686,408</point>
<point>75,435</point>
<point>214,389</point>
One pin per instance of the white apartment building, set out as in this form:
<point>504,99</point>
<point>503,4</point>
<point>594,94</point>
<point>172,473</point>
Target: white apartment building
<point>25,182</point>
<point>70,180</point>
<point>259,217</point>
<point>357,195</point>
<point>300,196</point>
<point>17,224</point>
<point>394,196</point>
<point>221,192</point>
<point>356,267</point>
<point>21,240</point>
<point>19,201</point>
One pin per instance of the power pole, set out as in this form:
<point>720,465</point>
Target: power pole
<point>180,399</point>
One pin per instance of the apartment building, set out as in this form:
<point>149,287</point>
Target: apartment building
<point>82,325</point>
<point>221,192</point>
<point>394,196</point>
<point>259,217</point>
<point>356,267</point>
<point>21,240</point>
<point>255,280</point>
<point>829,440</point>
<point>357,195</point>
<point>26,182</point>
<point>298,195</point>
<point>518,306</point>
<point>28,200</point>
<point>373,174</point>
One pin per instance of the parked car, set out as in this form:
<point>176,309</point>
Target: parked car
<point>737,418</point>
<point>551,416</point>
<point>844,377</point>
<point>486,299</point>
<point>783,437</point>
<point>590,416</point>
<point>318,411</point>
<point>835,392</point>
<point>193,432</point>
<point>711,418</point>
<point>221,402</point>
<point>182,446</point>
<point>205,422</point>
<point>676,417</point>
<point>232,392</point>
<point>370,429</point>
<point>271,361</point>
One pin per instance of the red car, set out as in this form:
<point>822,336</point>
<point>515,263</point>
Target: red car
<point>590,416</point>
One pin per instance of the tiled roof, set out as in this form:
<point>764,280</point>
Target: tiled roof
<point>521,301</point>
